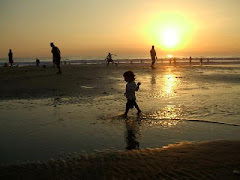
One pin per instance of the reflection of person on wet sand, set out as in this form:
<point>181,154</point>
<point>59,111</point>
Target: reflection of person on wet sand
<point>131,130</point>
<point>153,80</point>
<point>131,87</point>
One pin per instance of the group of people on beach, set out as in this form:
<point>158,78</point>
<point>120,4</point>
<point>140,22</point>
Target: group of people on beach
<point>153,55</point>
<point>129,77</point>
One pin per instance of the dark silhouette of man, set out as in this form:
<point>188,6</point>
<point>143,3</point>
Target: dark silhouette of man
<point>10,57</point>
<point>56,56</point>
<point>37,62</point>
<point>109,59</point>
<point>153,56</point>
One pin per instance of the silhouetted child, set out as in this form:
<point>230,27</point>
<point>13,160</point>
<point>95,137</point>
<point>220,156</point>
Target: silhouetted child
<point>131,87</point>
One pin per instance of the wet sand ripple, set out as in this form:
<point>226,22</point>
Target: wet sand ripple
<point>205,160</point>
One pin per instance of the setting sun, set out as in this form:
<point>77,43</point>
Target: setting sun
<point>170,38</point>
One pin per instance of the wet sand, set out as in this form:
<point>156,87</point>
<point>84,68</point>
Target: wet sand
<point>205,160</point>
<point>76,80</point>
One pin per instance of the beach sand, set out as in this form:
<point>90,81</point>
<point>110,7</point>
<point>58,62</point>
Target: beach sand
<point>200,160</point>
<point>205,160</point>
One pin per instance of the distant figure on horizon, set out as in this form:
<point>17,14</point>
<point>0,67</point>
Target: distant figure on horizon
<point>190,59</point>
<point>109,59</point>
<point>153,56</point>
<point>10,57</point>
<point>174,61</point>
<point>56,57</point>
<point>37,62</point>
<point>131,87</point>
<point>201,61</point>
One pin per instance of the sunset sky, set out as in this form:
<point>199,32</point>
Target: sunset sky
<point>126,27</point>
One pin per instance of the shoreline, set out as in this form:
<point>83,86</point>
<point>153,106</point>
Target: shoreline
<point>161,62</point>
<point>194,160</point>
<point>77,80</point>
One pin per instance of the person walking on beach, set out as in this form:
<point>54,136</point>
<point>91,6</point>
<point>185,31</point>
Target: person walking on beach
<point>56,57</point>
<point>109,59</point>
<point>37,62</point>
<point>153,56</point>
<point>131,87</point>
<point>10,57</point>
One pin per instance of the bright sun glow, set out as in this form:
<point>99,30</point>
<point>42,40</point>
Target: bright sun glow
<point>170,38</point>
<point>168,31</point>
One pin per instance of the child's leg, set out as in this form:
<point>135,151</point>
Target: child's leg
<point>136,106</point>
<point>127,108</point>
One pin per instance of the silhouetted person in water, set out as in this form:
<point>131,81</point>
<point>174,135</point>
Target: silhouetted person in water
<point>56,56</point>
<point>190,59</point>
<point>37,62</point>
<point>10,57</point>
<point>109,59</point>
<point>153,56</point>
<point>131,87</point>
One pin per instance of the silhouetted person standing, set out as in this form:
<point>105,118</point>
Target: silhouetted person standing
<point>201,61</point>
<point>10,57</point>
<point>153,56</point>
<point>109,59</point>
<point>37,62</point>
<point>56,56</point>
<point>190,59</point>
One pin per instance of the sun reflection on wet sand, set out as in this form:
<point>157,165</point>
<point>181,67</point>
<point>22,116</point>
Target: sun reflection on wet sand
<point>170,81</point>
<point>167,117</point>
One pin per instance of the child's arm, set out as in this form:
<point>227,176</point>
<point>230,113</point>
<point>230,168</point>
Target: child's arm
<point>138,84</point>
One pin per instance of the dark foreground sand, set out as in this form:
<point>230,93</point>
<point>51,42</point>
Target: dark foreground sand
<point>205,160</point>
